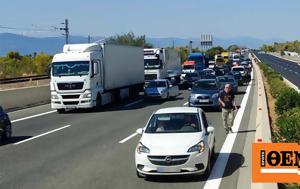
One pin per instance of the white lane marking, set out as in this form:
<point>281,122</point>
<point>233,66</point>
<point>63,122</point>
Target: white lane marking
<point>33,116</point>
<point>128,138</point>
<point>133,103</point>
<point>38,136</point>
<point>185,103</point>
<point>217,172</point>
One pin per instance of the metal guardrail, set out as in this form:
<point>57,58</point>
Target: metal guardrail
<point>23,79</point>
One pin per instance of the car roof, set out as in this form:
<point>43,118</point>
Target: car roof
<point>178,110</point>
<point>203,80</point>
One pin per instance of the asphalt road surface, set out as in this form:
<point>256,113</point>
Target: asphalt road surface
<point>289,70</point>
<point>82,149</point>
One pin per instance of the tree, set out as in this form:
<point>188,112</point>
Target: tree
<point>213,51</point>
<point>41,62</point>
<point>129,39</point>
<point>233,48</point>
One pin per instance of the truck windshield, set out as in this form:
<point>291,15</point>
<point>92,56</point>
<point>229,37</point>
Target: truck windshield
<point>198,60</point>
<point>151,63</point>
<point>189,67</point>
<point>76,68</point>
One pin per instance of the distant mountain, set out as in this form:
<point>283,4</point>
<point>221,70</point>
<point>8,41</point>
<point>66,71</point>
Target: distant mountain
<point>52,45</point>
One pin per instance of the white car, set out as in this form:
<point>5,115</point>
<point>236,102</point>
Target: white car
<point>176,141</point>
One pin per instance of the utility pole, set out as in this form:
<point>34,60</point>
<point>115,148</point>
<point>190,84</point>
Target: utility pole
<point>173,44</point>
<point>66,29</point>
<point>89,39</point>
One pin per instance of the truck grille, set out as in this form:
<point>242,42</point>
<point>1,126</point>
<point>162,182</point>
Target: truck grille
<point>168,160</point>
<point>70,96</point>
<point>149,77</point>
<point>70,86</point>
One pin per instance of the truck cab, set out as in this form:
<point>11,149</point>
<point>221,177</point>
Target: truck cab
<point>154,64</point>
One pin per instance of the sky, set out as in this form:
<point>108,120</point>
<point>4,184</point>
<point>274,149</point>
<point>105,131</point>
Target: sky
<point>262,19</point>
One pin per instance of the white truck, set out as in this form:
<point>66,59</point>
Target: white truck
<point>162,63</point>
<point>91,75</point>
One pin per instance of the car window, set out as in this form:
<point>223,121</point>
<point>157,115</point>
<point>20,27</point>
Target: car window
<point>174,123</point>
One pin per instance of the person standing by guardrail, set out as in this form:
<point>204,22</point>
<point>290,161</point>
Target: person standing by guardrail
<point>228,104</point>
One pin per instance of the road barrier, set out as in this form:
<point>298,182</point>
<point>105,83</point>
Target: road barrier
<point>23,79</point>
<point>263,127</point>
<point>24,97</point>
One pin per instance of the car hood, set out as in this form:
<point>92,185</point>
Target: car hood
<point>154,90</point>
<point>205,91</point>
<point>170,144</point>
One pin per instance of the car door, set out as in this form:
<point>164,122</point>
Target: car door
<point>173,90</point>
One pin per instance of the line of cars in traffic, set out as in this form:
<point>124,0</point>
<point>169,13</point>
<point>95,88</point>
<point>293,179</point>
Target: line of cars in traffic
<point>179,140</point>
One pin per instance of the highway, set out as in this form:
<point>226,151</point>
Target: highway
<point>89,149</point>
<point>288,69</point>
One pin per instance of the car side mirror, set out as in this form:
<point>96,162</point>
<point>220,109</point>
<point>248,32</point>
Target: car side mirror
<point>210,129</point>
<point>170,86</point>
<point>140,131</point>
<point>189,89</point>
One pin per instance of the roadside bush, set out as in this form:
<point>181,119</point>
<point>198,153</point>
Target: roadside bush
<point>289,125</point>
<point>277,86</point>
<point>286,100</point>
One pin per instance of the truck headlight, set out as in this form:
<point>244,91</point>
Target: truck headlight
<point>200,147</point>
<point>216,95</point>
<point>54,97</point>
<point>142,149</point>
<point>87,94</point>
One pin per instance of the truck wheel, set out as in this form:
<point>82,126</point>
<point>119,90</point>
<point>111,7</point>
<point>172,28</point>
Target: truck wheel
<point>61,111</point>
<point>98,102</point>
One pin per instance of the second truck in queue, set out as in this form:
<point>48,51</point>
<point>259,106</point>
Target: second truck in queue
<point>162,63</point>
<point>91,75</point>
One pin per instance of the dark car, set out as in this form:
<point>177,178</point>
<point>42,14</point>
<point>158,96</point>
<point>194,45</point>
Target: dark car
<point>5,125</point>
<point>228,79</point>
<point>189,79</point>
<point>237,76</point>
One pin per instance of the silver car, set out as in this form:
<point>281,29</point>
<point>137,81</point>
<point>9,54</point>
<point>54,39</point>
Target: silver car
<point>205,93</point>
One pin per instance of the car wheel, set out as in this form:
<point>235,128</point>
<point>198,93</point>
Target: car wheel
<point>7,132</point>
<point>60,111</point>
<point>208,167</point>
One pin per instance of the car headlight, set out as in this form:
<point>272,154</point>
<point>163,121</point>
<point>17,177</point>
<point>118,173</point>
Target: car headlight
<point>200,147</point>
<point>193,96</point>
<point>163,91</point>
<point>54,97</point>
<point>142,149</point>
<point>216,95</point>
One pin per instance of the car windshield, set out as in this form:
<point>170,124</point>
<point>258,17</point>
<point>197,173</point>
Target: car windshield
<point>238,69</point>
<point>70,68</point>
<point>154,84</point>
<point>174,123</point>
<point>151,63</point>
<point>188,67</point>
<point>191,75</point>
<point>207,85</point>
<point>225,79</point>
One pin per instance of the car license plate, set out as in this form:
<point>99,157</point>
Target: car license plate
<point>167,170</point>
<point>204,100</point>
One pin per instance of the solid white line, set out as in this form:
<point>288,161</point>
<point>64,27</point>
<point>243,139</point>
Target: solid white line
<point>185,103</point>
<point>49,132</point>
<point>128,138</point>
<point>295,171</point>
<point>33,116</point>
<point>218,169</point>
<point>133,103</point>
